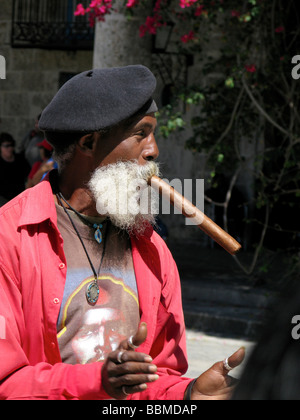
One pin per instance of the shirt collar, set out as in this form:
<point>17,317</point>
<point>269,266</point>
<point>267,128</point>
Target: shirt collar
<point>39,205</point>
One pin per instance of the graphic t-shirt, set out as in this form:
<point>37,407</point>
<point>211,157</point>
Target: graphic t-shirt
<point>88,333</point>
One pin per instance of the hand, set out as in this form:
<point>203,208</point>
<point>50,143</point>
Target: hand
<point>132,375</point>
<point>216,384</point>
<point>48,166</point>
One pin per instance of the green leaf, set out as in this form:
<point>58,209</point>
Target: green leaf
<point>221,158</point>
<point>229,82</point>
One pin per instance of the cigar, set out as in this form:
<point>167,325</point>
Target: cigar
<point>199,218</point>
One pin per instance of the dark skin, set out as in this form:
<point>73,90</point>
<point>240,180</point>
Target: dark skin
<point>136,142</point>
<point>137,370</point>
<point>133,142</point>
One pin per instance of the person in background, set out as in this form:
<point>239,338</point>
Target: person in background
<point>43,166</point>
<point>29,145</point>
<point>14,169</point>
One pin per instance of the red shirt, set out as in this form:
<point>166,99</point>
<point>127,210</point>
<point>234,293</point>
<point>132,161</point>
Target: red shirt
<point>32,279</point>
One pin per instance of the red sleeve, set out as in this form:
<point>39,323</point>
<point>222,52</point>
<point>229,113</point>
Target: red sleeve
<point>19,380</point>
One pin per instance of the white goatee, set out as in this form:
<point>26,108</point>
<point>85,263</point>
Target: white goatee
<point>122,193</point>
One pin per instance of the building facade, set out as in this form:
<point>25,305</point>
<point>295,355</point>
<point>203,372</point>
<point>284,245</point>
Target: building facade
<point>42,48</point>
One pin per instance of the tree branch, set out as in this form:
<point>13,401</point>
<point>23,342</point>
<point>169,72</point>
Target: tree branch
<point>261,110</point>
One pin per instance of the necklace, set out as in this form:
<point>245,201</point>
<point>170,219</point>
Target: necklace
<point>98,234</point>
<point>92,291</point>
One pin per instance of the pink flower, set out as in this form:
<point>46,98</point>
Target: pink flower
<point>199,11</point>
<point>143,31</point>
<point>96,10</point>
<point>157,6</point>
<point>187,3</point>
<point>251,68</point>
<point>188,37</point>
<point>80,10</point>
<point>95,3</point>
<point>131,3</point>
<point>151,25</point>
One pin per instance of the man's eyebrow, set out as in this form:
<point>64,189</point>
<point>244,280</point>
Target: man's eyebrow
<point>144,125</point>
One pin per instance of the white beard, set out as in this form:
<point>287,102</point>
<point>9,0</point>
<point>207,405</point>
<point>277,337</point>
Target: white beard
<point>122,193</point>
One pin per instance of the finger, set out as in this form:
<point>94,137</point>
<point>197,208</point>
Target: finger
<point>126,390</point>
<point>237,358</point>
<point>138,339</point>
<point>129,356</point>
<point>132,380</point>
<point>141,335</point>
<point>132,368</point>
<point>233,361</point>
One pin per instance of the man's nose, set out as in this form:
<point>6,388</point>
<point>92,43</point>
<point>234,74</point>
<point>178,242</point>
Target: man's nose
<point>150,151</point>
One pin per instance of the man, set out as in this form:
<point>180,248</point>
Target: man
<point>89,292</point>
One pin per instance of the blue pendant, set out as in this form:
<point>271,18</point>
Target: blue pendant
<point>92,293</point>
<point>98,233</point>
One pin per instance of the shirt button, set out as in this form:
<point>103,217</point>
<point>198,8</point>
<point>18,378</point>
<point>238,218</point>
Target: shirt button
<point>56,301</point>
<point>53,345</point>
<point>62,266</point>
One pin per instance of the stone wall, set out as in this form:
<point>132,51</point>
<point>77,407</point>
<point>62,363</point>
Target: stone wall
<point>32,77</point>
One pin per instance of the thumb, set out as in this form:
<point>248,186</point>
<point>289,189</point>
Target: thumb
<point>237,358</point>
<point>216,381</point>
<point>141,335</point>
<point>138,339</point>
<point>234,361</point>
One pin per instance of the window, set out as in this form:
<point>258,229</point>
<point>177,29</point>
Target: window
<point>50,24</point>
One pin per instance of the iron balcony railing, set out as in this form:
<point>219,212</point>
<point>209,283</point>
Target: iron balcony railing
<point>50,24</point>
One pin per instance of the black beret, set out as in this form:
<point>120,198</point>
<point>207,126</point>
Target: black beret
<point>100,98</point>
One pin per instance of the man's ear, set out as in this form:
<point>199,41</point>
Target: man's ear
<point>87,144</point>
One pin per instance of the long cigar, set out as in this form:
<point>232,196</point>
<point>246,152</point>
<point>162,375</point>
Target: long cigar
<point>199,218</point>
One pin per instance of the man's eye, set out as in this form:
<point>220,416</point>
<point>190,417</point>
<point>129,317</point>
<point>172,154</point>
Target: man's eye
<point>141,133</point>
